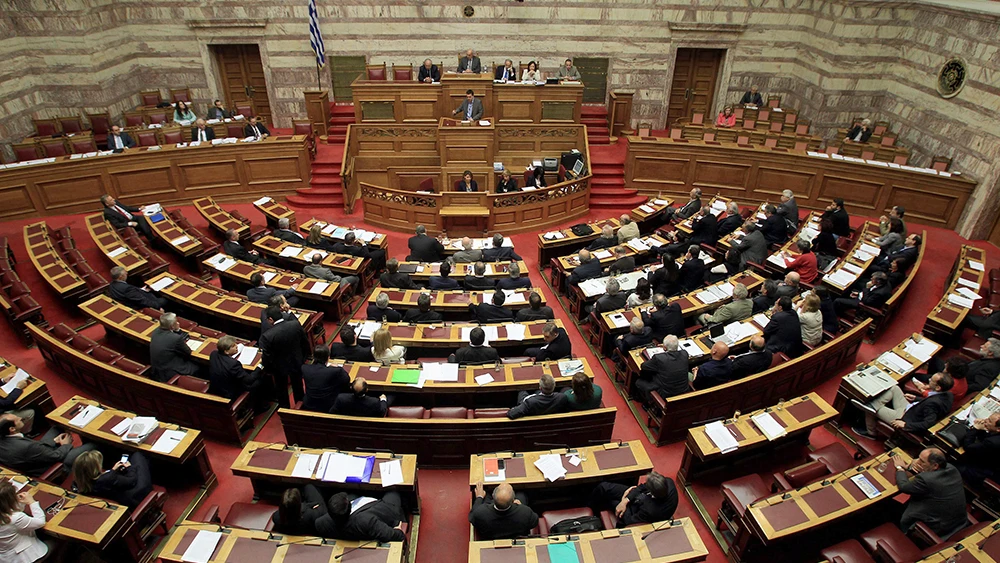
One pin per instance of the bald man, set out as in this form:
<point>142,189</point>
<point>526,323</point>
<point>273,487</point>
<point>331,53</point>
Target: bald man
<point>789,287</point>
<point>589,267</point>
<point>716,371</point>
<point>937,497</point>
<point>470,63</point>
<point>468,254</point>
<point>756,360</point>
<point>505,515</point>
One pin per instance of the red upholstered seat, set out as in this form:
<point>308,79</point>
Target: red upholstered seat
<point>449,412</point>
<point>95,281</point>
<point>407,412</point>
<point>893,541</point>
<point>427,185</point>
<point>402,73</point>
<point>158,116</point>
<point>234,131</point>
<point>211,333</point>
<point>738,493</point>
<point>24,152</point>
<point>171,137</point>
<point>147,139</point>
<point>151,99</point>
<point>250,516</point>
<point>128,365</point>
<point>550,518</point>
<point>63,332</point>
<point>103,354</point>
<point>17,289</point>
<point>490,413</point>
<point>303,129</point>
<point>71,124</point>
<point>849,551</point>
<point>82,145</point>
<point>246,110</point>
<point>82,343</point>
<point>195,384</point>
<point>54,147</point>
<point>376,73</point>
<point>835,457</point>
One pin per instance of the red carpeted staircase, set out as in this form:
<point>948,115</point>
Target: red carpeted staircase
<point>595,117</point>
<point>607,185</point>
<point>341,115</point>
<point>326,186</point>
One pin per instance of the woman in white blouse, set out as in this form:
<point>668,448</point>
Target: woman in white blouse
<point>18,542</point>
<point>811,320</point>
<point>531,74</point>
<point>384,351</point>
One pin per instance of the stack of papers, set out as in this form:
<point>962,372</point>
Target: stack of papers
<point>982,408</point>
<point>491,333</point>
<point>515,332</point>
<point>647,209</point>
<point>661,202</point>
<point>168,441</point>
<point>638,245</point>
<point>554,235</point>
<point>691,348</point>
<point>338,467</point>
<point>162,283</point>
<point>117,252</point>
<point>484,379</point>
<point>181,240</point>
<point>853,268</point>
<point>368,328</point>
<point>19,376</point>
<point>305,465</point>
<point>871,381</point>
<point>721,437</point>
<point>222,262</point>
<point>618,320</point>
<point>873,250</point>
<point>968,283</point>
<point>761,319</point>
<point>551,466</point>
<point>960,301</point>
<point>840,278</point>
<point>268,276</point>
<point>86,416</point>
<point>568,368</point>
<point>707,297</point>
<point>966,292</point>
<point>194,344</point>
<point>290,251</point>
<point>140,428</point>
<point>440,372</point>
<point>778,260</point>
<point>863,256</point>
<point>738,331</point>
<point>602,254</point>
<point>922,350</point>
<point>894,362</point>
<point>768,425</point>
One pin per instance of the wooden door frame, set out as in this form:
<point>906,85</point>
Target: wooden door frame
<point>722,77</point>
<point>213,72</point>
<point>697,35</point>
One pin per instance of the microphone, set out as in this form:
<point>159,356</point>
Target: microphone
<point>323,541</point>
<point>355,548</point>
<point>268,446</point>
<point>660,527</point>
<point>95,503</point>
<point>551,445</point>
<point>377,450</point>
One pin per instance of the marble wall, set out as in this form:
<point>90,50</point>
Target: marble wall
<point>832,60</point>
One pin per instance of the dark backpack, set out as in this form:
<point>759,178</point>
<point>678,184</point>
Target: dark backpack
<point>582,230</point>
<point>577,526</point>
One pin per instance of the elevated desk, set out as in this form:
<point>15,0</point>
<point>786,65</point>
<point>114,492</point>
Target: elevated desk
<point>552,244</point>
<point>273,211</point>
<point>943,321</point>
<point>49,263</point>
<point>849,390</point>
<point>447,337</point>
<point>35,395</point>
<point>454,304</point>
<point>330,232</point>
<point>422,272</point>
<point>110,243</point>
<point>301,255</point>
<point>168,175</point>
<point>752,174</point>
<point>220,219</point>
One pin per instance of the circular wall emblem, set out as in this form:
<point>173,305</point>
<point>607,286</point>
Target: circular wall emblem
<point>951,78</point>
<point>469,11</point>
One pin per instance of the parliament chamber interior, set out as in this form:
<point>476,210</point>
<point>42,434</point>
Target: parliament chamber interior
<point>516,281</point>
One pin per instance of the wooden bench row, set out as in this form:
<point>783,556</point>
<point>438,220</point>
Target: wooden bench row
<point>60,264</point>
<point>18,305</point>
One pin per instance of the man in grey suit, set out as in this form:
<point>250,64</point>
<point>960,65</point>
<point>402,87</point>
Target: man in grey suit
<point>546,401</point>
<point>470,63</point>
<point>471,109</point>
<point>752,247</point>
<point>34,457</point>
<point>788,207</point>
<point>317,270</point>
<point>468,254</point>
<point>168,350</point>
<point>260,293</point>
<point>937,497</point>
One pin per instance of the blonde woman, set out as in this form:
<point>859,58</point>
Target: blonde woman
<point>127,482</point>
<point>384,351</point>
<point>811,319</point>
<point>18,542</point>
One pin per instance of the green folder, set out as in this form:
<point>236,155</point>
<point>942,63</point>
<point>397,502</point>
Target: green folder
<point>563,553</point>
<point>406,376</point>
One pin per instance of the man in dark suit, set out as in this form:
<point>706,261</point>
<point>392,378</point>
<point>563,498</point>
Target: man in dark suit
<point>476,353</point>
<point>256,129</point>
<point>34,457</point>
<point>348,348</point>
<point>535,311</point>
<point>716,371</point>
<point>424,248</point>
<point>506,73</point>
<point>638,335</point>
<point>557,345</point>
<point>606,240</point>
<point>789,287</point>
<point>479,281</point>
<point>652,501</point>
<point>773,227</point>
<point>130,295</point>
<point>358,403</point>
<point>169,353</point>
<point>323,383</point>
<point>690,208</point>
<point>766,298</point>
<point>908,412</point>
<point>514,279</point>
<point>784,332</point>
<point>502,515</point>
<point>279,301</point>
<point>201,132</point>
<point>353,247</point>
<point>471,108</point>
<point>755,361</point>
<point>789,208</point>
<point>423,313</point>
<point>470,63</point>
<point>937,497</point>
<point>985,323</point>
<point>752,98</point>
<point>666,373</point>
<point>732,221</point>
<point>443,279</point>
<point>286,234</point>
<point>381,311</point>
<point>499,252</point>
<point>876,292</point>
<point>218,111</point>
<point>837,215</point>
<point>752,247</point>
<point>121,216</point>
<point>233,248</point>
<point>428,72</point>
<point>228,378</point>
<point>392,278</point>
<point>284,347</point>
<point>665,319</point>
<point>623,262</point>
<point>691,276</point>
<point>545,401</point>
<point>378,521</point>
<point>907,254</point>
<point>860,132</point>
<point>983,371</point>
<point>119,140</point>
<point>260,293</point>
<point>589,267</point>
<point>493,312</point>
<point>705,229</point>
<point>613,298</point>
<point>982,446</point>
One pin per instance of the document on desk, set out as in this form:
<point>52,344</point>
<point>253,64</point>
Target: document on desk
<point>492,334</point>
<point>162,283</point>
<point>202,547</point>
<point>117,252</point>
<point>869,249</point>
<point>551,466</point>
<point>179,241</point>
<point>618,320</point>
<point>647,209</point>
<point>866,486</point>
<point>340,467</point>
<point>515,331</point>
<point>484,379</point>
<point>922,350</point>
<point>319,287</point>
<point>638,245</point>
<point>440,371</point>
<point>966,292</point>
<point>853,268</point>
<point>841,278</point>
<point>247,354</point>
<point>305,465</point>
<point>221,262</point>
<point>895,363</point>
<point>721,437</point>
<point>761,320</point>
<point>194,344</point>
<point>602,254</point>
<point>268,276</point>
<point>707,297</point>
<point>19,376</point>
<point>768,425</point>
<point>514,296</point>
<point>553,235</point>
<point>871,381</point>
<point>568,368</point>
<point>593,286</point>
<point>392,472</point>
<point>977,266</point>
<point>564,552</point>
<point>168,441</point>
<point>691,347</point>
<point>778,260</point>
<point>86,416</point>
<point>368,328</point>
<point>968,283</point>
<point>963,302</point>
<point>263,200</point>
<point>290,251</point>
<point>122,427</point>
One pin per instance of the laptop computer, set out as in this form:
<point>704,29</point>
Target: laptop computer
<point>717,333</point>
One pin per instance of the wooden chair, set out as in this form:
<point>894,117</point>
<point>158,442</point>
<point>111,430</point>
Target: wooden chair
<point>773,101</point>
<point>880,128</point>
<point>134,118</point>
<point>763,115</point>
<point>749,123</point>
<point>644,129</point>
<point>941,163</point>
<point>888,140</point>
<point>147,138</point>
<point>234,130</point>
<point>305,127</point>
<point>698,118</point>
<point>375,72</point>
<point>180,95</point>
<point>900,159</point>
<point>150,98</point>
<point>158,116</point>
<point>171,136</point>
<point>867,154</point>
<point>46,127</point>
<point>791,117</point>
<point>738,112</point>
<point>802,127</point>
<point>776,126</point>
<point>82,143</point>
<point>402,73</point>
<point>771,142</point>
<point>427,184</point>
<point>25,151</point>
<point>246,110</point>
<point>71,125</point>
<point>53,147</point>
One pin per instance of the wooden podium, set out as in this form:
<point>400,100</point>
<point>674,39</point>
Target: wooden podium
<point>464,213</point>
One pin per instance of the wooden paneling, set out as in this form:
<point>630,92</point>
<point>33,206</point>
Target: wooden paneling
<point>693,86</point>
<point>243,79</point>
<point>752,174</point>
<point>15,199</point>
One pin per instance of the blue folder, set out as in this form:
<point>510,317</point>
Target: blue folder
<point>367,476</point>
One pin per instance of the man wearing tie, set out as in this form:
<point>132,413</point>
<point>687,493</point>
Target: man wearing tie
<point>121,215</point>
<point>471,108</point>
<point>256,129</point>
<point>506,73</point>
<point>429,73</point>
<point>119,140</point>
<point>470,63</point>
<point>202,133</point>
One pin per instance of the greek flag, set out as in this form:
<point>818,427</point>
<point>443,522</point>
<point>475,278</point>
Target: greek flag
<point>315,38</point>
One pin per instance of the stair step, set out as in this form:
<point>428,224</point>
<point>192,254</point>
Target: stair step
<point>300,201</point>
<point>320,192</point>
<point>602,140</point>
<point>341,139</point>
<point>588,109</point>
<point>597,131</point>
<point>341,109</point>
<point>326,168</point>
<point>342,120</point>
<point>327,181</point>
<point>607,182</point>
<point>612,191</point>
<point>622,203</point>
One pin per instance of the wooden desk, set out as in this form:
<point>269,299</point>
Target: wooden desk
<point>81,519</point>
<point>718,205</point>
<point>776,260</point>
<point>857,257</point>
<point>627,460</point>
<point>943,321</point>
<point>342,264</point>
<point>422,272</point>
<point>848,390</point>
<point>447,336</point>
<point>331,232</point>
<point>189,454</point>
<point>453,304</point>
<point>220,219</point>
<point>169,175</point>
<point>138,328</point>
<point>238,545</point>
<point>564,265</point>
<point>753,174</point>
<point>648,213</point>
<point>675,541</point>
<point>175,238</point>
<point>451,246</point>
<point>35,395</point>
<point>49,263</point>
<point>981,547</point>
<point>956,449</point>
<point>274,210</point>
<point>110,243</point>
<point>270,470</point>
<point>552,244</point>
<point>798,416</point>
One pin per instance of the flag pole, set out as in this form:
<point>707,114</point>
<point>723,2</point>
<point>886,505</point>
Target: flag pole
<point>319,85</point>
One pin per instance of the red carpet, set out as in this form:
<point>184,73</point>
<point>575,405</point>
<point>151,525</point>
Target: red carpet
<point>445,494</point>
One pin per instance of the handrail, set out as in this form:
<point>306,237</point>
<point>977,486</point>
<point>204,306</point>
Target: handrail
<point>351,193</point>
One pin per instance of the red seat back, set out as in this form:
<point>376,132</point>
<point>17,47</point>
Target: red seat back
<point>99,124</point>
<point>171,137</point>
<point>427,184</point>
<point>449,412</point>
<point>25,152</point>
<point>71,124</point>
<point>376,73</point>
<point>406,412</point>
<point>234,131</point>
<point>147,139</point>
<point>158,116</point>
<point>303,129</point>
<point>85,145</point>
<point>402,73</point>
<point>151,99</point>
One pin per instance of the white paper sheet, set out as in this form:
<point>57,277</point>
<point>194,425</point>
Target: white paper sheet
<point>721,436</point>
<point>551,466</point>
<point>19,376</point>
<point>202,547</point>
<point>840,278</point>
<point>440,371</point>
<point>761,319</point>
<point>966,292</point>
<point>515,332</point>
<point>768,425</point>
<point>341,466</point>
<point>268,276</point>
<point>866,486</point>
<point>968,283</point>
<point>618,320</point>
<point>647,209</point>
<point>319,287</point>
<point>956,299</point>
<point>194,344</point>
<point>873,250</point>
<point>853,268</point>
<point>304,466</point>
<point>978,266</point>
<point>247,355</point>
<point>602,254</point>
<point>707,297</point>
<point>117,252</point>
<point>691,348</point>
<point>86,416</point>
<point>168,441</point>
<point>895,362</point>
<point>221,262</point>
<point>484,379</point>
<point>391,472</point>
<point>181,240</point>
<point>162,283</point>
<point>368,328</point>
<point>122,427</point>
<point>290,251</point>
<point>262,201</point>
<point>922,350</point>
